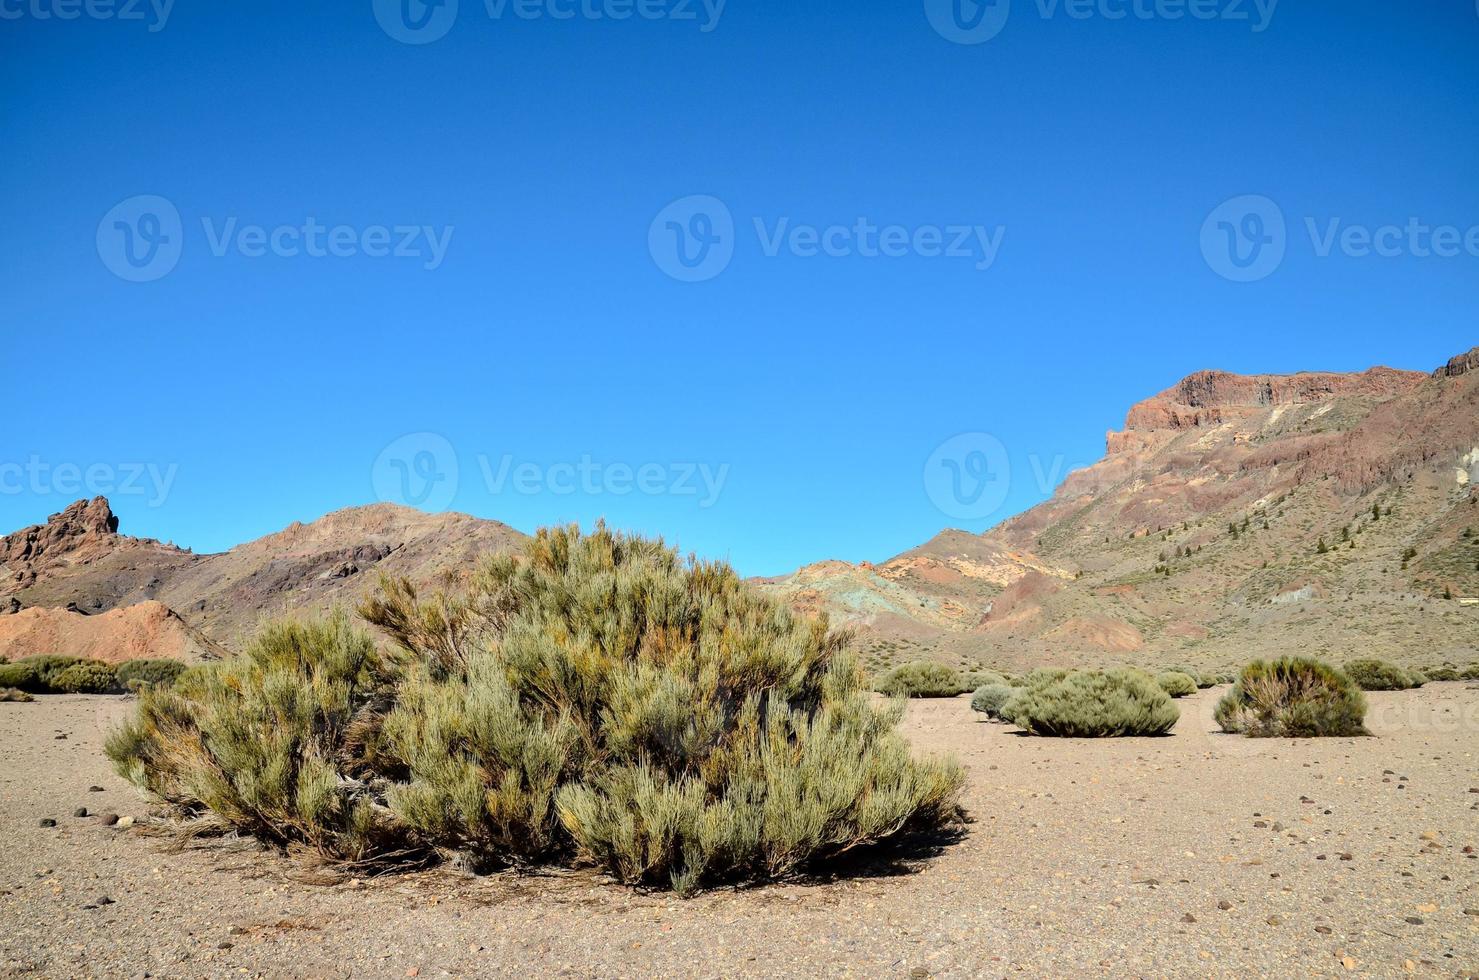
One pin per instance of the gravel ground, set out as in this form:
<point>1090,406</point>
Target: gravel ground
<point>1194,855</point>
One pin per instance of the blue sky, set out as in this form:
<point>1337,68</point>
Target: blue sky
<point>530,175</point>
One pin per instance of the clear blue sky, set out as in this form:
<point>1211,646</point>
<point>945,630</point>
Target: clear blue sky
<point>548,332</point>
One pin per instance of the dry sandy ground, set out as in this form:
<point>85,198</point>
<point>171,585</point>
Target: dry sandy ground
<point>1194,855</point>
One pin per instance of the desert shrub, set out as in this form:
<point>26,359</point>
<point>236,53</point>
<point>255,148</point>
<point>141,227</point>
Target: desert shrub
<point>982,678</point>
<point>1093,704</point>
<point>21,676</point>
<point>272,742</point>
<point>990,699</point>
<point>49,665</point>
<point>600,699</point>
<point>1445,674</point>
<point>1416,678</point>
<point>922,679</point>
<point>13,695</point>
<point>87,677</point>
<point>1176,683</point>
<point>136,674</point>
<point>1371,674</point>
<point>1470,673</point>
<point>1039,675</point>
<point>1294,697</point>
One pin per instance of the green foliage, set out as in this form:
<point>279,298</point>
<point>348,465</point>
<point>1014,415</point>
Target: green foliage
<point>1093,704</point>
<point>51,674</point>
<point>1176,683</point>
<point>88,677</point>
<point>1039,675</point>
<point>923,679</point>
<point>599,700</point>
<point>1371,674</point>
<point>136,674</point>
<point>1470,673</point>
<point>990,699</point>
<point>21,676</point>
<point>1443,673</point>
<point>12,695</point>
<point>981,678</point>
<point>1295,697</point>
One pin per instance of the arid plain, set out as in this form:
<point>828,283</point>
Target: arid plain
<point>1198,854</point>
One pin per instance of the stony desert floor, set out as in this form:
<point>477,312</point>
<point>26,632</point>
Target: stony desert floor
<point>1193,855</point>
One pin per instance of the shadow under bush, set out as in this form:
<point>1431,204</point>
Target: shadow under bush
<point>598,701</point>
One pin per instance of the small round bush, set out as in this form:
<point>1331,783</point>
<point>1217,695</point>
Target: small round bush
<point>136,674</point>
<point>983,678</point>
<point>922,679</point>
<point>1094,704</point>
<point>1445,674</point>
<point>990,699</point>
<point>1176,683</point>
<point>89,677</point>
<point>1295,697</point>
<point>1371,674</point>
<point>1416,678</point>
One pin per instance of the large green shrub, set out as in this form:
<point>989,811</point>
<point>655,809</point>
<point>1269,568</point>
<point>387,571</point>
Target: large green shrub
<point>1371,674</point>
<point>1176,683</point>
<point>88,677</point>
<point>136,674</point>
<point>1093,704</point>
<point>923,679</point>
<point>1295,697</point>
<point>599,700</point>
<point>990,699</point>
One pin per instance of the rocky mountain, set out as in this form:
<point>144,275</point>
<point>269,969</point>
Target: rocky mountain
<point>1233,516</point>
<point>76,585</point>
<point>1332,514</point>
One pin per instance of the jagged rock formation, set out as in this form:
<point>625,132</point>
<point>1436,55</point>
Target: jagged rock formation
<point>1198,536</point>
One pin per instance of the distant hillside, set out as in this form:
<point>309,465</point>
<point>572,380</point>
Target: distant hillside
<point>1198,536</point>
<point>78,561</point>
